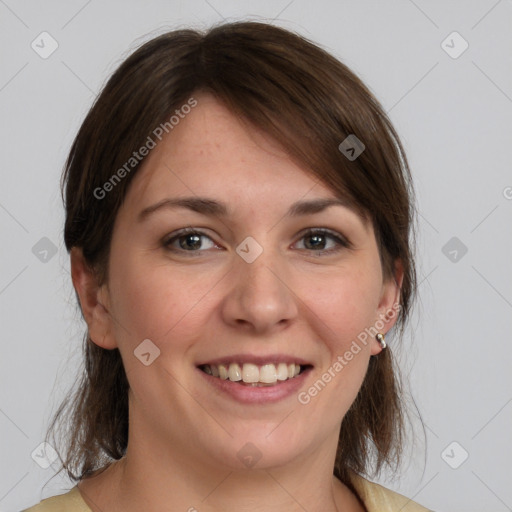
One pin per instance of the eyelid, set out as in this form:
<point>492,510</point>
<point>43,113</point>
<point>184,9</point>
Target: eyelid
<point>341,240</point>
<point>326,231</point>
<point>183,232</point>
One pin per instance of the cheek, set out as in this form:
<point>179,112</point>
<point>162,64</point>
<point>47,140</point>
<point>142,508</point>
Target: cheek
<point>344,306</point>
<point>342,317</point>
<point>156,301</point>
<point>346,303</point>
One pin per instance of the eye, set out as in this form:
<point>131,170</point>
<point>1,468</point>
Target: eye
<point>188,239</point>
<point>317,240</point>
<point>320,241</point>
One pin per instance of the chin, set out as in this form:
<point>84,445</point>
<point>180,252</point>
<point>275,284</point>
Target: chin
<point>260,448</point>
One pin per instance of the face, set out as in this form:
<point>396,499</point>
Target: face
<point>240,278</point>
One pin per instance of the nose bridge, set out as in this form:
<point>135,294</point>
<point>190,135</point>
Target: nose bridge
<point>259,296</point>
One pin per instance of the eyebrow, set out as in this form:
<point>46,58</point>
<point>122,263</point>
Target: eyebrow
<point>212,207</point>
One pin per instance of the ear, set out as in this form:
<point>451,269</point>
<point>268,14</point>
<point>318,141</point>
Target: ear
<point>94,301</point>
<point>389,303</point>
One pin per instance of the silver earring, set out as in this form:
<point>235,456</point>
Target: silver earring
<point>382,340</point>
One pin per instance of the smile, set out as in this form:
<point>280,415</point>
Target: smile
<point>251,374</point>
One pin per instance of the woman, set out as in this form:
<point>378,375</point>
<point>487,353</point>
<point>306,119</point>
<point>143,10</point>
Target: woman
<point>239,212</point>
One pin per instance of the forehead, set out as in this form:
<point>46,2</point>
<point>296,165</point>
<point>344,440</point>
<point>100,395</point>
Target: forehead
<point>214,133</point>
<point>211,152</point>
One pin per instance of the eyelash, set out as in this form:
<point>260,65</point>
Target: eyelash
<point>342,243</point>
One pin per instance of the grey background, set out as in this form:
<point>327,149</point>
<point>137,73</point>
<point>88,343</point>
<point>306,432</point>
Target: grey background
<point>454,116</point>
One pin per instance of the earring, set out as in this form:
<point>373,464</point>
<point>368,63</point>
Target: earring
<point>382,340</point>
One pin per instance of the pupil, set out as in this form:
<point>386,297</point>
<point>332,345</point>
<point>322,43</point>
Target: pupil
<point>317,238</point>
<point>194,245</point>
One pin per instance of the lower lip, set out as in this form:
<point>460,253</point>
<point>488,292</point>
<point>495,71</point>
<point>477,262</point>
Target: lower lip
<point>258,395</point>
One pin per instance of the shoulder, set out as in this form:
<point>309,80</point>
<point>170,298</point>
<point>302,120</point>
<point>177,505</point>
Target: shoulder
<point>69,502</point>
<point>377,498</point>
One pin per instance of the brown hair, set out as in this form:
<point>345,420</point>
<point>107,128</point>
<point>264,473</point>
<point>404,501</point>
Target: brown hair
<point>306,100</point>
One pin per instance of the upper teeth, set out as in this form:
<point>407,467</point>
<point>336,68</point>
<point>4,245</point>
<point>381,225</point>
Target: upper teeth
<point>252,373</point>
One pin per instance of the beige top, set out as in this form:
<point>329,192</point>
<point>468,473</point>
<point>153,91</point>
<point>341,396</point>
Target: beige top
<point>375,497</point>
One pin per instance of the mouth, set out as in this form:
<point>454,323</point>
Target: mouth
<point>255,375</point>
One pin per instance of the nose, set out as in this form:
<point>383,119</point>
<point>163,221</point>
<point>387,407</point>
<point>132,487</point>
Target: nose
<point>260,299</point>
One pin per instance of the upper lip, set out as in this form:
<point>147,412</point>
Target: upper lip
<point>256,359</point>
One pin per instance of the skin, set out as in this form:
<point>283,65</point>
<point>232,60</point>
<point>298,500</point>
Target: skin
<point>198,305</point>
